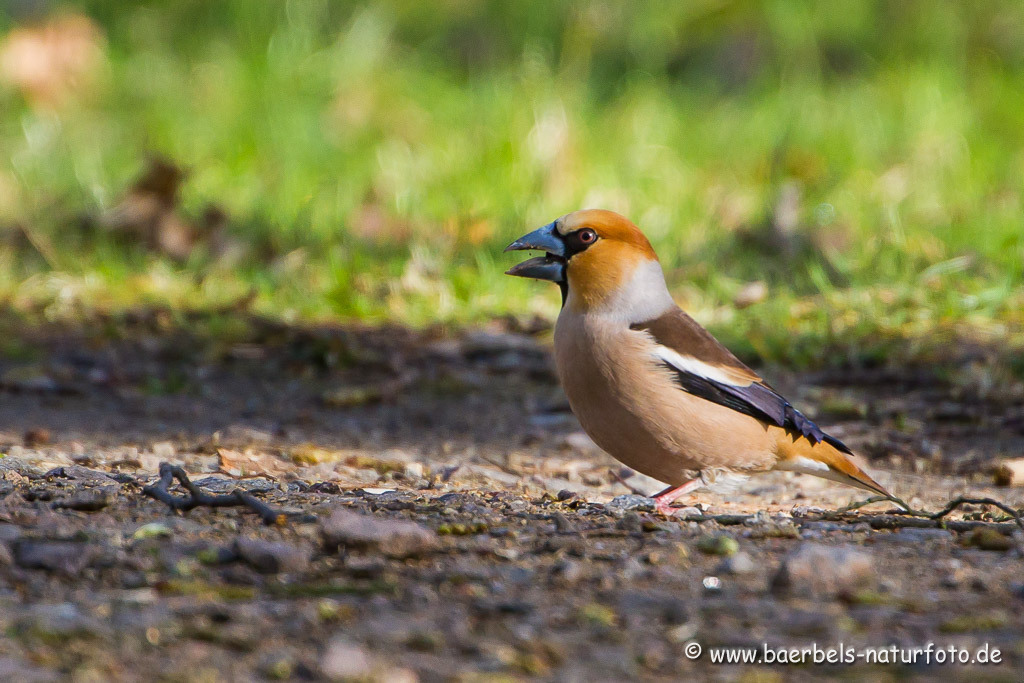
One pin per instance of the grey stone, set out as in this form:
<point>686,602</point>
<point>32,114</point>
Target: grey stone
<point>12,669</point>
<point>807,510</point>
<point>344,660</point>
<point>912,535</point>
<point>830,527</point>
<point>759,518</point>
<point>25,463</point>
<point>60,556</point>
<point>629,502</point>
<point>630,521</point>
<point>579,441</point>
<point>87,500</point>
<point>79,473</point>
<point>269,557</point>
<point>59,621</point>
<point>824,571</point>
<point>740,563</point>
<point>9,532</point>
<point>395,538</point>
<point>224,485</point>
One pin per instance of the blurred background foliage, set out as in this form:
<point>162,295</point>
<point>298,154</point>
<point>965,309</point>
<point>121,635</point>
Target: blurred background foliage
<point>848,175</point>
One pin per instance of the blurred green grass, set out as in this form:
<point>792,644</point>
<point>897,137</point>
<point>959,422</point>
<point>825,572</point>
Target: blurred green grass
<point>866,164</point>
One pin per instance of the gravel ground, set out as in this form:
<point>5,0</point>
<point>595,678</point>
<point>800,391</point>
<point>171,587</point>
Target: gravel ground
<point>442,518</point>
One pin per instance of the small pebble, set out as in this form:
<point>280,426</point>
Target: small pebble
<point>718,544</point>
<point>986,538</point>
<point>711,583</point>
<point>740,563</point>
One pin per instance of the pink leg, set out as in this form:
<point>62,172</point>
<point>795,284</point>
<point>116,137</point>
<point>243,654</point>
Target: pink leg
<point>663,500</point>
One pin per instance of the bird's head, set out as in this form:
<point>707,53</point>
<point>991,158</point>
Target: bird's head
<point>595,256</point>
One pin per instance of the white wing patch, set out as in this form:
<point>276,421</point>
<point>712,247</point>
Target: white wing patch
<point>804,466</point>
<point>691,365</point>
<point>819,469</point>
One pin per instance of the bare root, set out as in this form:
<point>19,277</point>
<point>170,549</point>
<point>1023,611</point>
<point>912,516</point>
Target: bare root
<point>198,498</point>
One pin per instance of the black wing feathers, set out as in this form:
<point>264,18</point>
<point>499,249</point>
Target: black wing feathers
<point>757,400</point>
<point>679,332</point>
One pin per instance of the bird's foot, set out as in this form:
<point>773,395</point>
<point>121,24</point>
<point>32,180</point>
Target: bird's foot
<point>663,500</point>
<point>663,507</point>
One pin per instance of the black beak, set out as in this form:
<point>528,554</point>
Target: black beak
<point>551,266</point>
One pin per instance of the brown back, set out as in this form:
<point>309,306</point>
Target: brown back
<point>681,333</point>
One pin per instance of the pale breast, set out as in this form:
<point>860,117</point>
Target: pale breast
<point>634,410</point>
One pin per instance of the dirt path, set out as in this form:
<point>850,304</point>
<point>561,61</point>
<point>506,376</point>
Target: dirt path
<point>496,541</point>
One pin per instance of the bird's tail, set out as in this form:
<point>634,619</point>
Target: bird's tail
<point>822,459</point>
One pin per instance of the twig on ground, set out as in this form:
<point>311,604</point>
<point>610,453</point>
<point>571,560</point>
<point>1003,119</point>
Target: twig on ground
<point>507,469</point>
<point>890,523</point>
<point>899,519</point>
<point>856,505</point>
<point>198,498</point>
<point>893,519</point>
<point>963,500</point>
<point>634,490</point>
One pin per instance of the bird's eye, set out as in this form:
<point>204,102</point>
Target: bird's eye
<point>587,236</point>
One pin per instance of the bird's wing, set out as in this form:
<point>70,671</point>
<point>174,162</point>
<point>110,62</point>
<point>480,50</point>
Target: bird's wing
<point>705,368</point>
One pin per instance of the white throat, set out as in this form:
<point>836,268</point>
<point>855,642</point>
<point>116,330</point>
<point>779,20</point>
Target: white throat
<point>643,297</point>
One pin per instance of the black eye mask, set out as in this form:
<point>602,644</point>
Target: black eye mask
<point>574,242</point>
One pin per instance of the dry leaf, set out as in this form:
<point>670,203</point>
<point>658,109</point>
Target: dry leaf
<point>1010,473</point>
<point>52,62</point>
<point>149,213</point>
<point>251,464</point>
<point>372,223</point>
<point>479,232</point>
<point>308,454</point>
<point>751,293</point>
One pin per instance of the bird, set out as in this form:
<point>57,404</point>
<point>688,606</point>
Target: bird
<point>651,386</point>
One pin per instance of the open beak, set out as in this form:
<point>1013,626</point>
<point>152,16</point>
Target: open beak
<point>551,266</point>
<point>540,268</point>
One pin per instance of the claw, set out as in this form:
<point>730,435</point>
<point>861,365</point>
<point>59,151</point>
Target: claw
<point>663,500</point>
<point>663,507</point>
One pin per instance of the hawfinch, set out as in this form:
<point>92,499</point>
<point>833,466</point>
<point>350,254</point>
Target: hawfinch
<point>651,386</point>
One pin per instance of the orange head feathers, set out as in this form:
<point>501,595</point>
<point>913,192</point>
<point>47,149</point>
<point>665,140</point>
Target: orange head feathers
<point>593,254</point>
